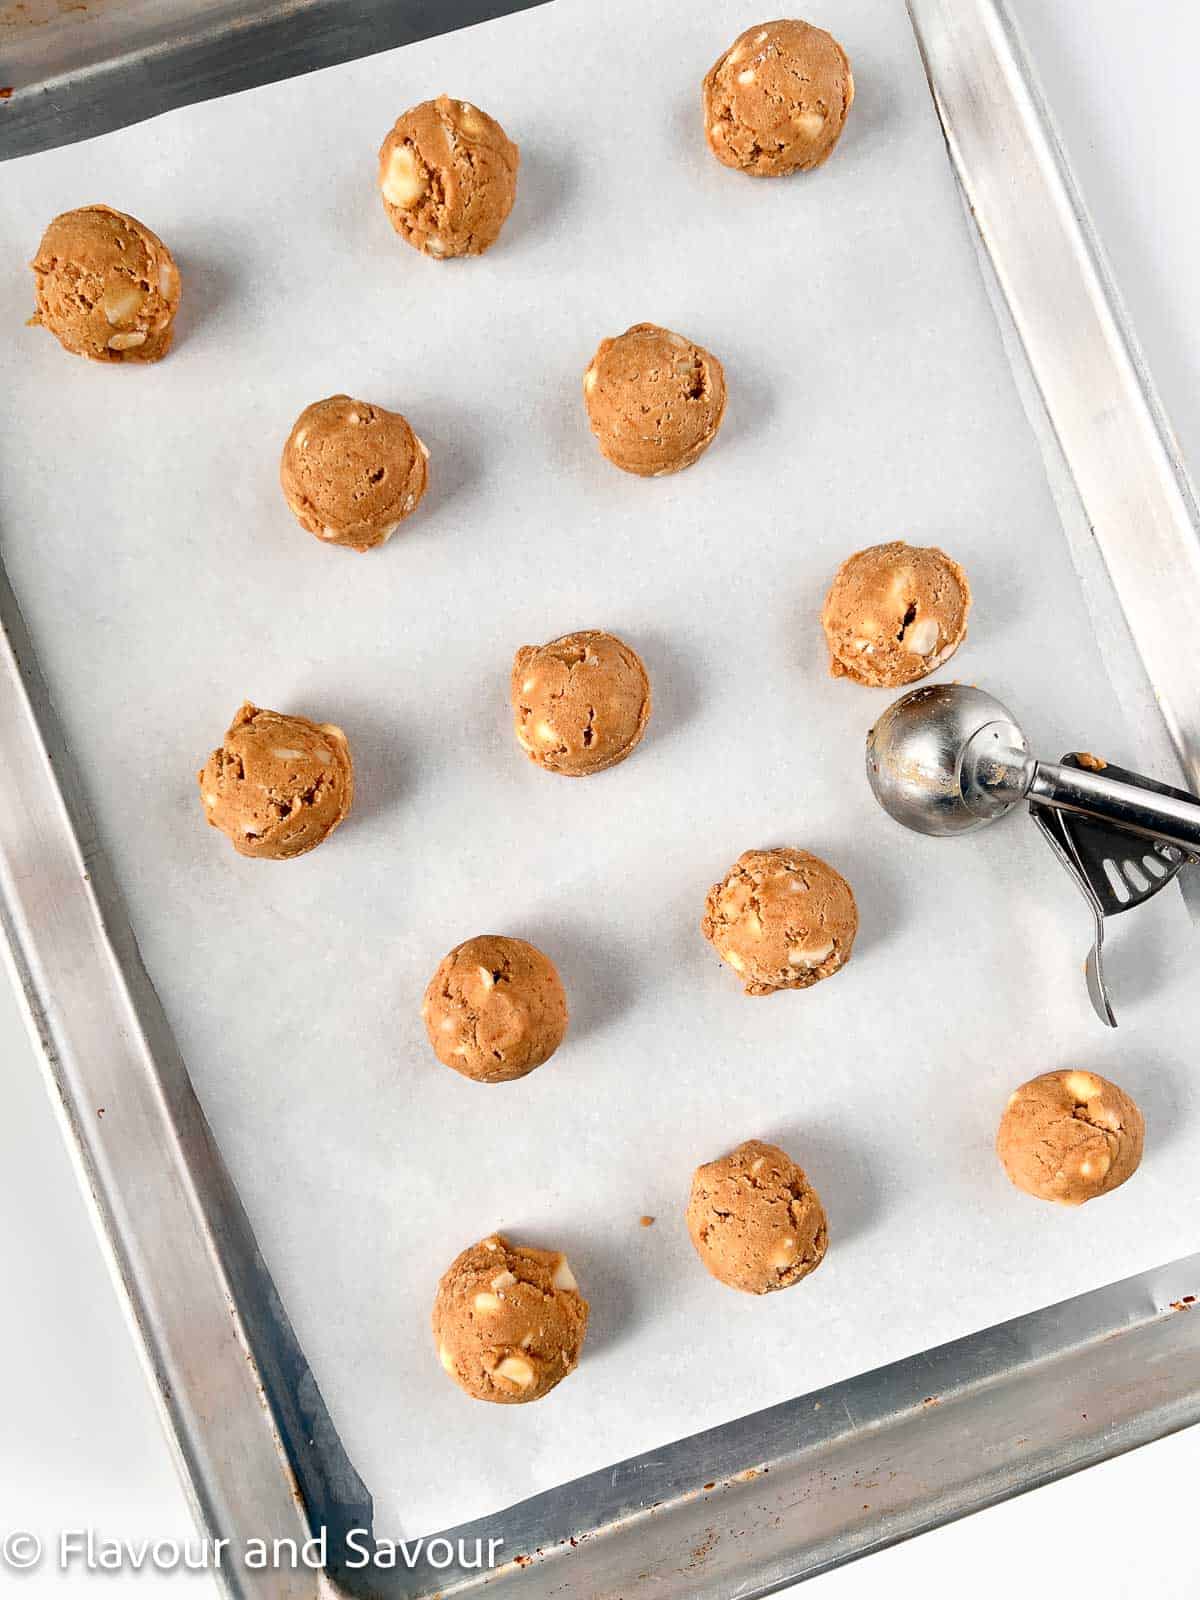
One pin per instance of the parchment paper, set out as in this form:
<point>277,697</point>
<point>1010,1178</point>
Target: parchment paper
<point>164,580</point>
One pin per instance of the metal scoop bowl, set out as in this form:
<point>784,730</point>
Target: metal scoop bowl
<point>949,758</point>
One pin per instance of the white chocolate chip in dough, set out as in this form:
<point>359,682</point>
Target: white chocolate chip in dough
<point>810,955</point>
<point>127,341</point>
<point>517,1370</point>
<point>922,637</point>
<point>563,1277</point>
<point>486,1303</point>
<point>1082,1086</point>
<point>404,182</point>
<point>784,1254</point>
<point>121,302</point>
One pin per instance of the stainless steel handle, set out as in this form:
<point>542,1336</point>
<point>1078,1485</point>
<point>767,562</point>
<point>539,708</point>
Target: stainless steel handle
<point>1141,811</point>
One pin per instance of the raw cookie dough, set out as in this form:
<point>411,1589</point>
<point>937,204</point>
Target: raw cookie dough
<point>508,1321</point>
<point>351,472</point>
<point>580,703</point>
<point>654,399</point>
<point>448,176</point>
<point>277,785</point>
<point>495,1009</point>
<point>894,613</point>
<point>755,1220</point>
<point>1070,1136</point>
<point>782,919</point>
<point>776,101</point>
<point>107,288</point>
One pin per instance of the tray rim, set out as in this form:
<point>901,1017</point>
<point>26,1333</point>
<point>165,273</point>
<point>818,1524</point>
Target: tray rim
<point>274,1466</point>
<point>71,80</point>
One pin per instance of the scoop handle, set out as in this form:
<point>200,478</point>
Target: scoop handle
<point>1141,811</point>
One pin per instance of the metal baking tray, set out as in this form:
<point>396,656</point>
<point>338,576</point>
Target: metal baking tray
<point>776,1496</point>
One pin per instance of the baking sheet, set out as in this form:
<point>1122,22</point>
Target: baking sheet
<point>869,398</point>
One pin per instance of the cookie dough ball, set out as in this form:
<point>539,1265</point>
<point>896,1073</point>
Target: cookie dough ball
<point>782,919</point>
<point>495,1009</point>
<point>277,785</point>
<point>777,100</point>
<point>894,613</point>
<point>580,703</point>
<point>352,472</point>
<point>755,1220</point>
<point>1070,1136</point>
<point>509,1321</point>
<point>107,288</point>
<point>448,176</point>
<point>654,399</point>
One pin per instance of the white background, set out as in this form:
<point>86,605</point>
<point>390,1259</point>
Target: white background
<point>79,1442</point>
